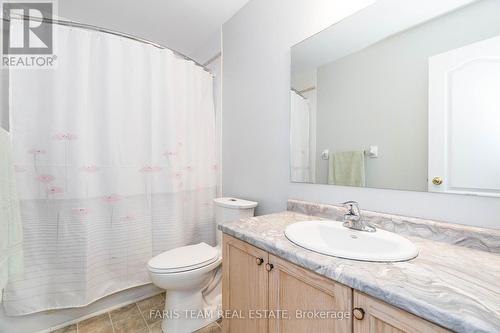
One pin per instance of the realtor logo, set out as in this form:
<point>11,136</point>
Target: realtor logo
<point>27,34</point>
<point>24,28</point>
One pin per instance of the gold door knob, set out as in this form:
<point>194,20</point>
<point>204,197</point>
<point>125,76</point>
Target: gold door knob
<point>259,261</point>
<point>358,313</point>
<point>437,180</point>
<point>269,267</point>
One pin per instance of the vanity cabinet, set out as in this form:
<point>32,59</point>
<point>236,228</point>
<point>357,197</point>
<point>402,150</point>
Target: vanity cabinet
<point>262,293</point>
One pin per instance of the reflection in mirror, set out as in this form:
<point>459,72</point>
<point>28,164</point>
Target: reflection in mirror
<point>401,96</point>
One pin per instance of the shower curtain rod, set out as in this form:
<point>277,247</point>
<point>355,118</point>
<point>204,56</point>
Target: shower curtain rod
<point>298,93</point>
<point>108,31</point>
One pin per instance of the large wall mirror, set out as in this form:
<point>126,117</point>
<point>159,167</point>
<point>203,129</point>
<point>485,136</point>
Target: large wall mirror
<point>401,95</point>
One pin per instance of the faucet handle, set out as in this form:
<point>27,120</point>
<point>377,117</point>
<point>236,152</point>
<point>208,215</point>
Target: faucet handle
<point>353,219</point>
<point>353,207</point>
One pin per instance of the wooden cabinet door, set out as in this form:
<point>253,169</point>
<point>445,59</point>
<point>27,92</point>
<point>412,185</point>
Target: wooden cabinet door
<point>244,286</point>
<point>380,317</point>
<point>300,293</point>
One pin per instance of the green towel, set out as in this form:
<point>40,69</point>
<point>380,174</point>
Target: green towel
<point>347,168</point>
<point>11,233</point>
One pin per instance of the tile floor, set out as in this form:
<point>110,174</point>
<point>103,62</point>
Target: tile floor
<point>132,318</point>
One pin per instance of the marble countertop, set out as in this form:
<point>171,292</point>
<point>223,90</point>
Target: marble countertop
<point>456,287</point>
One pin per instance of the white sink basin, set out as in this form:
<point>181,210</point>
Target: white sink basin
<point>331,238</point>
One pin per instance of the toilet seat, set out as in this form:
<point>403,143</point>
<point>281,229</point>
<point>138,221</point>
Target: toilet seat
<point>182,259</point>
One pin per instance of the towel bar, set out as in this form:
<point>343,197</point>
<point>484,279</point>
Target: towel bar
<point>371,153</point>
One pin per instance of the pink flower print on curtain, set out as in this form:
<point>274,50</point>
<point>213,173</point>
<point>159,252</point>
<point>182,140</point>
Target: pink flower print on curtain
<point>186,173</point>
<point>52,190</point>
<point>178,179</point>
<point>147,171</point>
<point>50,193</point>
<point>66,137</point>
<point>45,180</point>
<point>36,152</point>
<point>171,156</point>
<point>150,169</point>
<point>111,200</point>
<point>89,169</point>
<point>80,212</point>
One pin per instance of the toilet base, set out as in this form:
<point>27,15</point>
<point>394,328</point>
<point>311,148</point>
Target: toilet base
<point>187,311</point>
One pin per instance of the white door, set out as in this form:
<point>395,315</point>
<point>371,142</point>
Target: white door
<point>464,120</point>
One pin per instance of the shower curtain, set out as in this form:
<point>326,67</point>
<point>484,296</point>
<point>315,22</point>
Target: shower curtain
<point>114,154</point>
<point>299,138</point>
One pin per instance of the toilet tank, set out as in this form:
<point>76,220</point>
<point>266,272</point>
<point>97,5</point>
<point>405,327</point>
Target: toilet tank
<point>232,209</point>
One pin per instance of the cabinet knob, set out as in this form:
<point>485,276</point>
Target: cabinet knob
<point>437,180</point>
<point>358,313</point>
<point>259,261</point>
<point>269,267</point>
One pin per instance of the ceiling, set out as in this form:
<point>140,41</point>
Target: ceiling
<point>182,25</point>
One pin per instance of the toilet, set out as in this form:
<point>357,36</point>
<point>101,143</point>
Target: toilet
<point>191,274</point>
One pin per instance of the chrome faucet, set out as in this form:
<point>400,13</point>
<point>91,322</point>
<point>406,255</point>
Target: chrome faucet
<point>353,219</point>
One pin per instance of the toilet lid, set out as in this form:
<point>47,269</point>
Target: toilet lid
<point>184,258</point>
<point>235,203</point>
